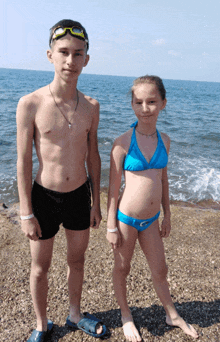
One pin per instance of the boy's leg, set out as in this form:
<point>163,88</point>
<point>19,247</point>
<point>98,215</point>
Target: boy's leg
<point>77,242</point>
<point>41,253</point>
<point>123,256</point>
<point>153,248</point>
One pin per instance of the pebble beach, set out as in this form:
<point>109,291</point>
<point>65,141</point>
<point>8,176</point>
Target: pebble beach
<point>193,258</point>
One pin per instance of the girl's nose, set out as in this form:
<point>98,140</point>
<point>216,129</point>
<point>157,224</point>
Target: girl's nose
<point>144,107</point>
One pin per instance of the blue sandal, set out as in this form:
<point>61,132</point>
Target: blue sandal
<point>40,336</point>
<point>88,324</point>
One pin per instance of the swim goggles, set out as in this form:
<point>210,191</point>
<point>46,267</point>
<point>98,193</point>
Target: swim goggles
<point>74,31</point>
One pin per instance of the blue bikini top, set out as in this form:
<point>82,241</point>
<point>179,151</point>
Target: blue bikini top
<point>135,160</point>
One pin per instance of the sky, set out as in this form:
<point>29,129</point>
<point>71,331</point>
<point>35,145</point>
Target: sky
<point>172,39</point>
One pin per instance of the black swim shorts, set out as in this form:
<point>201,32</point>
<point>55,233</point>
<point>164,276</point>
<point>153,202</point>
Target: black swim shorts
<point>51,208</point>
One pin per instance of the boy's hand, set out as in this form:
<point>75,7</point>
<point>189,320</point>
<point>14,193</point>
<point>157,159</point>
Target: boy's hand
<point>95,217</point>
<point>165,227</point>
<point>31,228</point>
<point>114,239</point>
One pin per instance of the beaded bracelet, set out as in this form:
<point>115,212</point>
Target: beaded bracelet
<point>112,230</point>
<point>28,217</point>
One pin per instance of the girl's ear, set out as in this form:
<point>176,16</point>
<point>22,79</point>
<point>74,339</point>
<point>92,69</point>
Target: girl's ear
<point>49,56</point>
<point>164,103</point>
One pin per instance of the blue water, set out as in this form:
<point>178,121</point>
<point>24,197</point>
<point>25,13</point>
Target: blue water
<point>191,119</point>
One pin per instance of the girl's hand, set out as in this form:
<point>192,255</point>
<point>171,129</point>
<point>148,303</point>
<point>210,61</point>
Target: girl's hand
<point>114,239</point>
<point>165,227</point>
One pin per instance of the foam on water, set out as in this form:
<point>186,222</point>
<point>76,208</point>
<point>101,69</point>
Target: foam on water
<point>194,180</point>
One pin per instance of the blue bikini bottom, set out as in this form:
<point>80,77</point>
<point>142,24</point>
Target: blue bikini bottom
<point>140,225</point>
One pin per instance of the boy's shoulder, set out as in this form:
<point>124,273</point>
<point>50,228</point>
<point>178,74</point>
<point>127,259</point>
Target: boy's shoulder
<point>88,102</point>
<point>33,99</point>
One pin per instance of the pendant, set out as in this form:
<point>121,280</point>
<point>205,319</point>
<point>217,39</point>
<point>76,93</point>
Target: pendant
<point>69,125</point>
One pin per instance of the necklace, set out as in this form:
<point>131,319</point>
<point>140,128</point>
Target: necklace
<point>77,102</point>
<point>148,135</point>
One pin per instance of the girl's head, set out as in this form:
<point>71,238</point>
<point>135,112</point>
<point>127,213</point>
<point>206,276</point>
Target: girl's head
<point>148,98</point>
<point>150,80</point>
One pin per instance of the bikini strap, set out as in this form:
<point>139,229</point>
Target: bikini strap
<point>134,124</point>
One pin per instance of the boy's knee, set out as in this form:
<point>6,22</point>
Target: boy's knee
<point>76,262</point>
<point>39,271</point>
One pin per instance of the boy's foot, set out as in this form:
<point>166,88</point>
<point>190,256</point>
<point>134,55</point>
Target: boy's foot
<point>179,322</point>
<point>41,336</point>
<point>89,324</point>
<point>130,331</point>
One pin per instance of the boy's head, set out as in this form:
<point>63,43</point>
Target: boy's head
<point>74,28</point>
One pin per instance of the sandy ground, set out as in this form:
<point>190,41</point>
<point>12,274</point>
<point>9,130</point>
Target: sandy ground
<point>193,258</point>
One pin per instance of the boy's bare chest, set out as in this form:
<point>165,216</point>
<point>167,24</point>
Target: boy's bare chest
<point>53,125</point>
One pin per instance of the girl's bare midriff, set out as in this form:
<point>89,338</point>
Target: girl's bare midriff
<point>142,194</point>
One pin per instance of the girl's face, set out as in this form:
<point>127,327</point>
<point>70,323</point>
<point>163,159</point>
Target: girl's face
<point>147,102</point>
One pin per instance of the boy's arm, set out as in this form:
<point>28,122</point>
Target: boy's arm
<point>94,168</point>
<point>25,133</point>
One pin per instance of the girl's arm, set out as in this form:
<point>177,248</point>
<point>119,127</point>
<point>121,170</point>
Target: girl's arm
<point>117,158</point>
<point>166,225</point>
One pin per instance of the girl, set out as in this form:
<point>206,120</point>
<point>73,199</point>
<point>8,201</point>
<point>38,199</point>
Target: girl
<point>142,153</point>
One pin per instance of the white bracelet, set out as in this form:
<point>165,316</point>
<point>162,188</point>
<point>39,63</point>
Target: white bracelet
<point>28,217</point>
<point>112,230</point>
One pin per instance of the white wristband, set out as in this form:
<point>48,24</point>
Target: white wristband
<point>112,230</point>
<point>28,217</point>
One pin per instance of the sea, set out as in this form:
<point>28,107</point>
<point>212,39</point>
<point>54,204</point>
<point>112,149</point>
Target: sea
<point>191,119</point>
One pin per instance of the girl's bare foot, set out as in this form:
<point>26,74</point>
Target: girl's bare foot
<point>130,331</point>
<point>179,322</point>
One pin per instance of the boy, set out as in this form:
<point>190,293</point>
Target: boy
<point>63,124</point>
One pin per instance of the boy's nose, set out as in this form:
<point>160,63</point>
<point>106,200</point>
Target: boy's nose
<point>70,60</point>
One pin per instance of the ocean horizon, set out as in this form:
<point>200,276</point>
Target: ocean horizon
<point>191,119</point>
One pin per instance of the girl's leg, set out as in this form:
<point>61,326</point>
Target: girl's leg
<point>123,256</point>
<point>152,246</point>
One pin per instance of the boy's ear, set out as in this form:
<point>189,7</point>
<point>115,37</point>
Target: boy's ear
<point>49,56</point>
<point>86,60</point>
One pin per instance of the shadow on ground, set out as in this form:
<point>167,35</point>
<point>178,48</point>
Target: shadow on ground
<point>203,314</point>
